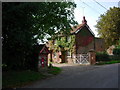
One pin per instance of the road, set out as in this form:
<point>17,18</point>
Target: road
<point>76,76</point>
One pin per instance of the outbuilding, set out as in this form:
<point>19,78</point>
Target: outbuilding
<point>43,56</point>
<point>40,55</point>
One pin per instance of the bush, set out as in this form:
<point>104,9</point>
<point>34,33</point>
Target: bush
<point>102,56</point>
<point>114,57</point>
<point>116,51</point>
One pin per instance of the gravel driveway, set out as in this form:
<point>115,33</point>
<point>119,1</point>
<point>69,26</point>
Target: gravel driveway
<point>76,76</point>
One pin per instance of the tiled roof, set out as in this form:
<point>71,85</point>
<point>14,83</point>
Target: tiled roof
<point>75,28</point>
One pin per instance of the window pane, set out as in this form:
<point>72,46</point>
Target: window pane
<point>54,54</point>
<point>68,53</point>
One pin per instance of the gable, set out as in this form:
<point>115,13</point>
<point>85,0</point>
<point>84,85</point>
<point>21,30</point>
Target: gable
<point>44,50</point>
<point>85,30</point>
<point>84,37</point>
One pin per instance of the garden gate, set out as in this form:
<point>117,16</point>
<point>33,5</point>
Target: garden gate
<point>82,59</point>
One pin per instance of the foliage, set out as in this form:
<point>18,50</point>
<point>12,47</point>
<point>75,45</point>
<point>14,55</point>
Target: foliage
<point>102,56</point>
<point>16,79</point>
<point>54,70</point>
<point>13,78</point>
<point>26,22</point>
<point>114,57</point>
<point>108,26</point>
<point>64,44</point>
<point>118,46</point>
<point>116,51</point>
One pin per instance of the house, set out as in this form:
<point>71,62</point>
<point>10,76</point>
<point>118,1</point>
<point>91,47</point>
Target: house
<point>110,50</point>
<point>80,41</point>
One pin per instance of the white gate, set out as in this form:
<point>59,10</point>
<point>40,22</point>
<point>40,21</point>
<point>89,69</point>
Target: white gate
<point>82,59</point>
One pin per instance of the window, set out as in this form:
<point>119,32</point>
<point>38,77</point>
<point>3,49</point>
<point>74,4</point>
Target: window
<point>55,42</point>
<point>68,54</point>
<point>54,55</point>
<point>68,39</point>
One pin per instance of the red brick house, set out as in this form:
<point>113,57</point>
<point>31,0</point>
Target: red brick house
<point>82,39</point>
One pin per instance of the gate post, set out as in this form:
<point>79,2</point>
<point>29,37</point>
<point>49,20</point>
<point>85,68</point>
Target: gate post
<point>92,57</point>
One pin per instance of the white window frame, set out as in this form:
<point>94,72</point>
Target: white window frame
<point>55,55</point>
<point>68,38</point>
<point>55,42</point>
<point>69,54</point>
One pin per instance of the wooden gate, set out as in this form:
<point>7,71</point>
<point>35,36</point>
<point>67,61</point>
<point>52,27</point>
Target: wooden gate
<point>82,59</point>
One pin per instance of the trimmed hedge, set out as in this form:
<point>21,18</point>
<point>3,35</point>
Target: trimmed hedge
<point>102,56</point>
<point>114,57</point>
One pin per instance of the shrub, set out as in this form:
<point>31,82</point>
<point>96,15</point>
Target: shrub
<point>116,51</point>
<point>114,57</point>
<point>102,56</point>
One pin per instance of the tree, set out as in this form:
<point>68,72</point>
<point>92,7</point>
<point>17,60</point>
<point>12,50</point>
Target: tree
<point>108,26</point>
<point>26,22</point>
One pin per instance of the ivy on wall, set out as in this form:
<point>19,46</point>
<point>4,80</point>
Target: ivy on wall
<point>66,43</point>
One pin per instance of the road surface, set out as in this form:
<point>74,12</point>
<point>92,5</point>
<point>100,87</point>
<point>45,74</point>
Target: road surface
<point>76,76</point>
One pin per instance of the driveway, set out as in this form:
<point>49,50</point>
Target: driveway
<point>76,76</point>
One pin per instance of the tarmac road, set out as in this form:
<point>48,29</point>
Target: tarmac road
<point>76,76</point>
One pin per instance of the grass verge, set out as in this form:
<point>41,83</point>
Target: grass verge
<point>108,62</point>
<point>54,70</point>
<point>12,79</point>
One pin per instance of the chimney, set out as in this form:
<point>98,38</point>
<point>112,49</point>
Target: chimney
<point>84,20</point>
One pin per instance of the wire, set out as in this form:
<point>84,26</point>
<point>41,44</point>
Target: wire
<point>90,7</point>
<point>100,4</point>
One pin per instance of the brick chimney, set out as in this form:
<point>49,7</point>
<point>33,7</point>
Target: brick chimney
<point>84,21</point>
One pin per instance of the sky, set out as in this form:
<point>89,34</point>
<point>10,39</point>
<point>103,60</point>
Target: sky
<point>92,11</point>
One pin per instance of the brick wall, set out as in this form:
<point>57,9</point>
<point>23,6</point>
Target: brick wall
<point>81,38</point>
<point>99,44</point>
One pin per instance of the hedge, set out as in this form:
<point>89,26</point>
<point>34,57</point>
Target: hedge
<point>116,51</point>
<point>114,57</point>
<point>102,56</point>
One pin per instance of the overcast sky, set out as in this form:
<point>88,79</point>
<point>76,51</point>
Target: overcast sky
<point>92,10</point>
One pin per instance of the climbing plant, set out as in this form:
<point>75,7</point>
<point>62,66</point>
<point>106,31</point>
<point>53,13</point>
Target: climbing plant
<point>63,44</point>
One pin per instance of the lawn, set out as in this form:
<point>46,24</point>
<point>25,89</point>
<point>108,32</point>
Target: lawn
<point>108,62</point>
<point>11,79</point>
